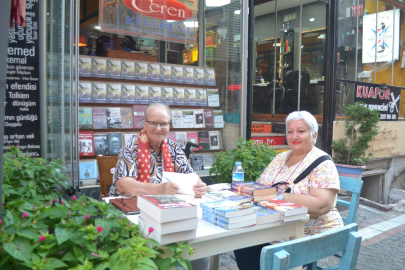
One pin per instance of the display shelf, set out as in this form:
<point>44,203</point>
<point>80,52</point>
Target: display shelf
<point>123,130</point>
<point>130,105</point>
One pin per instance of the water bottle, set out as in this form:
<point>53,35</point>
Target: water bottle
<point>238,174</point>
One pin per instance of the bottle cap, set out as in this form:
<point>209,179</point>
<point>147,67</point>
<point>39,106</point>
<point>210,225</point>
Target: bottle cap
<point>238,163</point>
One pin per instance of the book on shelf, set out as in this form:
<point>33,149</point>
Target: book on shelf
<point>218,118</point>
<point>199,76</point>
<point>85,95</point>
<point>165,239</point>
<point>199,118</point>
<point>209,118</point>
<point>204,140</point>
<point>114,93</point>
<point>191,98</point>
<point>99,66</point>
<point>227,195</point>
<point>231,226</point>
<point>127,206</point>
<point>264,215</point>
<point>218,187</point>
<point>114,68</point>
<point>128,94</point>
<point>209,76</point>
<point>86,143</point>
<point>167,95</point>
<point>114,140</point>
<point>287,209</point>
<point>127,118</point>
<point>114,117</point>
<point>165,73</point>
<point>141,71</point>
<point>128,69</point>
<point>295,217</point>
<point>201,97</point>
<point>172,136</point>
<point>154,72</point>
<point>188,118</point>
<point>192,137</point>
<point>253,188</point>
<point>197,163</point>
<point>181,139</point>
<point>155,94</point>
<point>178,96</point>
<point>177,118</point>
<point>188,75</point>
<point>235,211</point>
<point>214,139</point>
<point>142,94</point>
<point>207,161</point>
<point>177,74</point>
<point>127,136</point>
<point>99,92</point>
<point>170,227</point>
<point>87,170</point>
<point>139,115</point>
<point>166,208</point>
<point>100,145</point>
<point>85,118</point>
<point>213,97</point>
<point>85,68</point>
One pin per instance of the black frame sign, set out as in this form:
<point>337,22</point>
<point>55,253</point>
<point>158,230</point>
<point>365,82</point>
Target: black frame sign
<point>383,98</point>
<point>21,123</point>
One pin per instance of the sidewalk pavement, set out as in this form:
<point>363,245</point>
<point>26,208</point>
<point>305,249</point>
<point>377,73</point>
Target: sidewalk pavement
<point>382,247</point>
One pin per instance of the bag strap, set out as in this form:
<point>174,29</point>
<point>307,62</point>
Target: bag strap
<point>309,170</point>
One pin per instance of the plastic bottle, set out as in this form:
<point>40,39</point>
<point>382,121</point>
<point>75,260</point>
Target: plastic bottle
<point>238,174</point>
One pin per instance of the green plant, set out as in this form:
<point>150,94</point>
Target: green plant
<point>361,126</point>
<point>254,157</point>
<point>39,230</point>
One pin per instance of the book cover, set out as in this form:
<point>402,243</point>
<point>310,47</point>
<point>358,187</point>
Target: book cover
<point>213,97</point>
<point>86,143</point>
<point>99,92</point>
<point>237,219</point>
<point>154,72</point>
<point>178,96</point>
<point>254,188</point>
<point>113,117</point>
<point>85,95</point>
<point>87,170</point>
<point>99,118</point>
<point>128,94</point>
<point>199,76</point>
<point>209,118</point>
<point>128,136</point>
<point>264,215</point>
<point>170,227</point>
<point>207,161</point>
<point>155,94</point>
<point>227,195</point>
<point>141,71</point>
<point>177,118</point>
<point>211,205</point>
<point>85,68</point>
<point>296,217</point>
<point>177,74</point>
<point>231,226</point>
<point>85,118</point>
<point>142,94</point>
<point>167,95</point>
<point>190,97</point>
<point>165,73</point>
<point>127,118</point>
<point>114,140</point>
<point>197,163</point>
<point>204,140</point>
<point>199,118</point>
<point>114,93</point>
<point>100,145</point>
<point>139,115</point>
<point>188,75</point>
<point>201,97</point>
<point>99,67</point>
<point>181,139</point>
<point>286,208</point>
<point>172,136</point>
<point>188,118</point>
<point>214,139</point>
<point>209,76</point>
<point>192,137</point>
<point>114,68</point>
<point>234,211</point>
<point>218,118</point>
<point>128,69</point>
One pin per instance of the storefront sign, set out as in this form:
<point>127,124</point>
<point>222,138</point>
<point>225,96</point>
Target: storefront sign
<point>261,128</point>
<point>173,20</point>
<point>276,140</point>
<point>379,38</point>
<point>290,17</point>
<point>386,100</point>
<point>21,123</point>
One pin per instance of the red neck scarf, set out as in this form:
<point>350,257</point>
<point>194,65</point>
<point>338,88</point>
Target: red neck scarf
<point>144,157</point>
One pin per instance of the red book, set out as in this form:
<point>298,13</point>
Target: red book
<point>139,115</point>
<point>193,137</point>
<point>172,136</point>
<point>286,208</point>
<point>86,143</point>
<point>209,118</point>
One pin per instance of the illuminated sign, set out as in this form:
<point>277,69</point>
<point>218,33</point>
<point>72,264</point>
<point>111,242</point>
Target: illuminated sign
<point>234,87</point>
<point>160,9</point>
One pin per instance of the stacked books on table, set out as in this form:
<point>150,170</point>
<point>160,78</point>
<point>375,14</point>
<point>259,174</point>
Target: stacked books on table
<point>226,195</point>
<point>257,192</point>
<point>229,214</point>
<point>171,218</point>
<point>289,211</point>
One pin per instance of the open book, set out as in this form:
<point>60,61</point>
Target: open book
<point>184,181</point>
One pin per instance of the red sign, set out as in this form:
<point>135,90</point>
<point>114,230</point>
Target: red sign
<point>160,9</point>
<point>233,87</point>
<point>276,140</point>
<point>261,128</point>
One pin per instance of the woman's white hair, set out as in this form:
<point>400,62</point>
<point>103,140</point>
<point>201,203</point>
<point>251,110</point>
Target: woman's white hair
<point>309,119</point>
<point>160,106</point>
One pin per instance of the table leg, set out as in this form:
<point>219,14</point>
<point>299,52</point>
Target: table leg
<point>214,262</point>
<point>299,234</point>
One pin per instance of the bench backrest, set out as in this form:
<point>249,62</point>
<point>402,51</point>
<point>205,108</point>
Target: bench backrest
<point>354,186</point>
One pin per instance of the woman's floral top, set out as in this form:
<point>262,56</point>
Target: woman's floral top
<point>324,175</point>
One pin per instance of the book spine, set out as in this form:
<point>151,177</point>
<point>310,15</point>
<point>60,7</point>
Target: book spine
<point>223,224</point>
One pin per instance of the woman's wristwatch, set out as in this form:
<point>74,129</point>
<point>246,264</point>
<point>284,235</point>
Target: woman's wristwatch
<point>279,196</point>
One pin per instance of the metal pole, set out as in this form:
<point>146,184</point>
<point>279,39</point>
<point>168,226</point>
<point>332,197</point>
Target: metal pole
<point>376,43</point>
<point>357,42</point>
<point>393,48</point>
<point>243,69</point>
<point>275,59</point>
<point>201,34</point>
<point>76,52</point>
<point>299,61</point>
<point>4,20</point>
<point>251,57</point>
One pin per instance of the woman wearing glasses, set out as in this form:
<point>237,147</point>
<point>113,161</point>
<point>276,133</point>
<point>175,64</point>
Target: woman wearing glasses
<point>142,160</point>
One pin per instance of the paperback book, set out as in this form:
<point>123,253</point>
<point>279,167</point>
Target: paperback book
<point>234,211</point>
<point>177,118</point>
<point>178,96</point>
<point>114,68</point>
<point>85,118</point>
<point>227,195</point>
<point>141,71</point>
<point>181,139</point>
<point>126,118</point>
<point>213,97</point>
<point>85,68</point>
<point>154,72</point>
<point>114,140</point>
<point>207,161</point>
<point>142,94</point>
<point>172,136</point>
<point>99,67</point>
<point>188,118</point>
<point>128,69</point>
<point>211,205</point>
<point>114,93</point>
<point>113,117</point>
<point>192,137</point>
<point>264,215</point>
<point>170,227</point>
<point>128,94</point>
<point>214,139</point>
<point>188,75</point>
<point>100,145</point>
<point>209,118</point>
<point>199,118</point>
<point>287,209</point>
<point>155,94</point>
<point>218,119</point>
<point>87,170</point>
<point>99,92</point>
<point>209,76</point>
<point>199,76</point>
<point>177,74</point>
<point>139,115</point>
<point>202,97</point>
<point>191,99</point>
<point>86,143</point>
<point>99,118</point>
<point>231,226</point>
<point>254,188</point>
<point>85,95</point>
<point>167,95</point>
<point>236,219</point>
<point>204,140</point>
<point>165,73</point>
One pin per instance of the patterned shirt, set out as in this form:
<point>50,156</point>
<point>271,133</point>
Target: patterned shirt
<point>324,175</point>
<point>127,164</point>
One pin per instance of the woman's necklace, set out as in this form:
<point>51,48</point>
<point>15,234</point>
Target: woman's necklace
<point>286,181</point>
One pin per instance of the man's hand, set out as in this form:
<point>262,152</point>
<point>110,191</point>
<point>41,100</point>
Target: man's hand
<point>200,188</point>
<point>169,188</point>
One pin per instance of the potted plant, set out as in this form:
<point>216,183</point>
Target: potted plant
<point>254,157</point>
<point>39,230</point>
<point>350,152</point>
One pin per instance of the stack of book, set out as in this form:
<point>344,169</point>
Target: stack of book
<point>289,211</point>
<point>226,195</point>
<point>228,214</point>
<point>171,218</point>
<point>257,192</point>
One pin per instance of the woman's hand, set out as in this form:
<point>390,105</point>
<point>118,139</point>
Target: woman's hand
<point>200,188</point>
<point>169,188</point>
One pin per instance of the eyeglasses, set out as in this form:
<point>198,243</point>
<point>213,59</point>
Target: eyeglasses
<point>163,125</point>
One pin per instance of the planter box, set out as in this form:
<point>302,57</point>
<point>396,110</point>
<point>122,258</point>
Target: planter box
<point>350,171</point>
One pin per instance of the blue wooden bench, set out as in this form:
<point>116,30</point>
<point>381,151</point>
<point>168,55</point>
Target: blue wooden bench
<point>355,187</point>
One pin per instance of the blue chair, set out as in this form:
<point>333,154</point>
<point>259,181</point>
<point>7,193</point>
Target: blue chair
<point>309,250</point>
<point>355,187</point>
